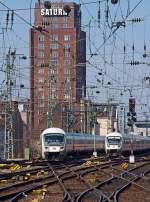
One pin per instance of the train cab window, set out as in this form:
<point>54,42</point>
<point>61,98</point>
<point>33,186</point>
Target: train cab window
<point>114,140</point>
<point>53,139</point>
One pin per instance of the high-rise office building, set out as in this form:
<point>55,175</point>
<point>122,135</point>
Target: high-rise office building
<point>57,61</point>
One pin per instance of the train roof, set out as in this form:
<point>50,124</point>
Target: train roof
<point>53,130</point>
<point>114,134</point>
<point>130,135</point>
<point>82,134</point>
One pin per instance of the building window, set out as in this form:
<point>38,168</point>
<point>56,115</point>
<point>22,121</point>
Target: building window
<point>67,54</point>
<point>54,37</point>
<point>41,38</point>
<point>41,103</point>
<point>41,80</point>
<point>67,37</point>
<point>65,19</point>
<point>40,62</point>
<point>40,54</point>
<point>67,71</point>
<point>41,46</point>
<point>66,46</point>
<point>54,19</point>
<point>54,46</point>
<point>45,21</point>
<point>41,71</point>
<point>54,54</point>
<point>65,26</point>
<point>67,62</point>
<point>66,96</point>
<point>53,26</point>
<point>53,62</point>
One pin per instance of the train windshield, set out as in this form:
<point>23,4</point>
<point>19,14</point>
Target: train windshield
<point>53,139</point>
<point>113,140</point>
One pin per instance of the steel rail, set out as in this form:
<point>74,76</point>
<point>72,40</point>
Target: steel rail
<point>22,193</point>
<point>116,196</point>
<point>113,194</point>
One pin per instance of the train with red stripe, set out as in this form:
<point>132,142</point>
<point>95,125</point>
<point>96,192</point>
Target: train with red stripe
<point>57,144</point>
<point>123,143</point>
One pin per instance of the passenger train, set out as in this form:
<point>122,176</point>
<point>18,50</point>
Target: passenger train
<point>58,144</point>
<point>122,143</point>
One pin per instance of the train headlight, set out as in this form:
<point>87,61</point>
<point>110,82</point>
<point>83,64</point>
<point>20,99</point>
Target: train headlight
<point>46,147</point>
<point>61,148</point>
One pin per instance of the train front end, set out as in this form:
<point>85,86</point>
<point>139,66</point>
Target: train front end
<point>53,143</point>
<point>113,143</point>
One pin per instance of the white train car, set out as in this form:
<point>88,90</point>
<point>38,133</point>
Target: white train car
<point>121,143</point>
<point>113,142</point>
<point>56,143</point>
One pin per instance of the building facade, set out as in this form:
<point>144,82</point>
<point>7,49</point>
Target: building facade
<point>19,130</point>
<point>57,62</point>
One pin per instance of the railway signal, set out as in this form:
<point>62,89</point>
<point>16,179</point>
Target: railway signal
<point>131,114</point>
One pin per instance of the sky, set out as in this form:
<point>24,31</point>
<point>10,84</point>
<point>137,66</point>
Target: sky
<point>109,49</point>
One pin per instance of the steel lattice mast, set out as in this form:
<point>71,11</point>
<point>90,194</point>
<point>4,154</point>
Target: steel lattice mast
<point>9,131</point>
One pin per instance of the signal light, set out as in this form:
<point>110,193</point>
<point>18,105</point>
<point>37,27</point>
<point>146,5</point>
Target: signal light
<point>134,119</point>
<point>128,114</point>
<point>132,105</point>
<point>129,123</point>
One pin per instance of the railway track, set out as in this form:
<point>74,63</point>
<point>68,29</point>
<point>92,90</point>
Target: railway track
<point>19,188</point>
<point>113,186</point>
<point>75,182</point>
<point>65,180</point>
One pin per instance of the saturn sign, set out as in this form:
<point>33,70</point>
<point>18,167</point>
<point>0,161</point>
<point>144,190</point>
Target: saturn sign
<point>53,12</point>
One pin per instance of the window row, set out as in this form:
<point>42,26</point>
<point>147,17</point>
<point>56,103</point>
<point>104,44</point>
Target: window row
<point>56,26</point>
<point>54,37</point>
<point>55,46</point>
<point>54,62</point>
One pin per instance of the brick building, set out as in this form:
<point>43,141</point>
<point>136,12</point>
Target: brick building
<point>20,129</point>
<point>57,64</point>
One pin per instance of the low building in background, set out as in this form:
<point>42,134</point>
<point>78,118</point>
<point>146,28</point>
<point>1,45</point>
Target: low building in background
<point>20,129</point>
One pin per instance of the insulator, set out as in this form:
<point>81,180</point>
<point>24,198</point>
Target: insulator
<point>47,4</point>
<point>21,85</point>
<point>7,19</point>
<point>137,20</point>
<point>124,49</point>
<point>114,1</point>
<point>39,28</point>
<point>107,14</point>
<point>12,18</point>
<point>7,16</point>
<point>100,73</point>
<point>136,63</point>
<point>99,15</point>
<point>144,55</point>
<point>133,47</point>
<point>67,9</point>
<point>131,63</point>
